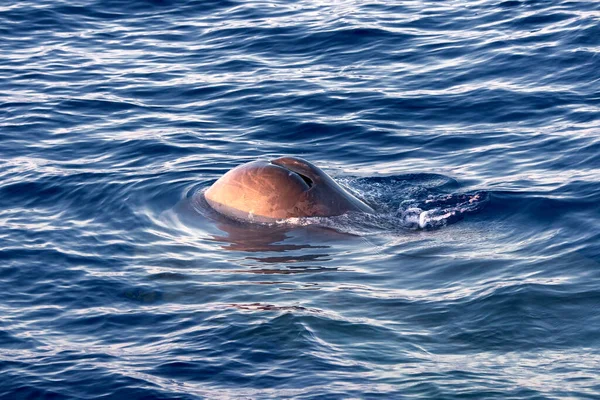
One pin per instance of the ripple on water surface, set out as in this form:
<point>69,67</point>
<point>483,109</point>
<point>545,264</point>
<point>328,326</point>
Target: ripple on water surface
<point>117,281</point>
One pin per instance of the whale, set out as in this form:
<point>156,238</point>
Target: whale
<point>287,187</point>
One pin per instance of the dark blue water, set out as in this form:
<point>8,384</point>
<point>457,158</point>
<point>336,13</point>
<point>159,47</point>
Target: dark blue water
<point>117,282</point>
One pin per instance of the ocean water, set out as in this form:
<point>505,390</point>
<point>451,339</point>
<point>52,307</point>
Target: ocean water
<point>117,281</point>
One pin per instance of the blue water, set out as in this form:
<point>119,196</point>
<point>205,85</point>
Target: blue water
<point>116,281</point>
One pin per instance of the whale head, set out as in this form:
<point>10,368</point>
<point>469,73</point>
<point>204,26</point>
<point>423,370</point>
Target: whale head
<point>286,187</point>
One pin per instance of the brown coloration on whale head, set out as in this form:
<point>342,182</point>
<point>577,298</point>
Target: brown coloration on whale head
<point>287,187</point>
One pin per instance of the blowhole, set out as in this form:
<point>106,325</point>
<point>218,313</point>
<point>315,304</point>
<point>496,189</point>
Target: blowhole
<point>306,179</point>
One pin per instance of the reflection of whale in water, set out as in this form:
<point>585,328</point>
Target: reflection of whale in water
<point>293,258</point>
<point>256,238</point>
